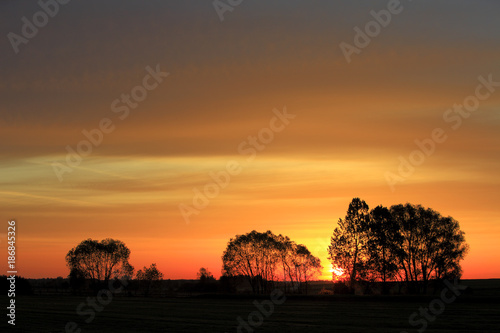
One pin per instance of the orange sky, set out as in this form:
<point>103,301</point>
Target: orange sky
<point>352,122</point>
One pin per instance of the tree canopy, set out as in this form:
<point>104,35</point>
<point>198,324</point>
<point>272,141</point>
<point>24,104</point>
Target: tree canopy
<point>204,275</point>
<point>148,276</point>
<point>264,258</point>
<point>150,273</point>
<point>408,243</point>
<point>100,260</point>
<point>430,246</point>
<point>349,241</point>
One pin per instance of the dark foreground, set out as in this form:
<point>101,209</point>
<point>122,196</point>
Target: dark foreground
<point>315,314</point>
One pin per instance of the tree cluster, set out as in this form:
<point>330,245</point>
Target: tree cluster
<point>100,261</point>
<point>149,277</point>
<point>265,258</point>
<point>407,243</point>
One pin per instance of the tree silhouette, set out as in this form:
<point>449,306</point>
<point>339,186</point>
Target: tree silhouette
<point>204,275</point>
<point>149,276</point>
<point>264,258</point>
<point>348,246</point>
<point>100,261</point>
<point>383,246</point>
<point>253,255</point>
<point>406,242</point>
<point>286,250</point>
<point>431,245</point>
<point>206,281</point>
<point>306,265</point>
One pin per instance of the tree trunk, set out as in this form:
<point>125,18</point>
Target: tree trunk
<point>354,264</point>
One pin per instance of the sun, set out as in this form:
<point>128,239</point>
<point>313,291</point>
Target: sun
<point>337,272</point>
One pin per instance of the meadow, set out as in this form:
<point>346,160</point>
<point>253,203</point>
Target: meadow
<point>477,311</point>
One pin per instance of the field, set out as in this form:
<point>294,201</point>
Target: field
<point>472,312</point>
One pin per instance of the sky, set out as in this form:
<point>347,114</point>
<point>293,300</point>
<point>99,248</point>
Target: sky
<point>115,116</point>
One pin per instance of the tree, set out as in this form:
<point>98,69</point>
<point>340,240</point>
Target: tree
<point>100,261</point>
<point>383,246</point>
<point>306,265</point>
<point>149,276</point>
<point>432,246</point>
<point>264,258</point>
<point>406,242</point>
<point>204,275</point>
<point>286,250</point>
<point>297,264</point>
<point>348,246</point>
<point>206,281</point>
<point>253,255</point>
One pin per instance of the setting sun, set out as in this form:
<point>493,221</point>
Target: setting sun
<point>202,152</point>
<point>337,272</point>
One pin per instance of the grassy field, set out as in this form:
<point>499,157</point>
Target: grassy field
<point>319,314</point>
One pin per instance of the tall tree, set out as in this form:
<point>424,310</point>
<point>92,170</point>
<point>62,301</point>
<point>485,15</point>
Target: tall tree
<point>384,245</point>
<point>348,245</point>
<point>412,243</point>
<point>100,261</point>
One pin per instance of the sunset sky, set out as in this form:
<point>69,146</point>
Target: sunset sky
<point>351,124</point>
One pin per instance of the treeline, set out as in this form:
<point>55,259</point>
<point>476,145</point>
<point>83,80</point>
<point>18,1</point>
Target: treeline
<point>405,243</point>
<point>95,265</point>
<point>132,287</point>
<point>257,260</point>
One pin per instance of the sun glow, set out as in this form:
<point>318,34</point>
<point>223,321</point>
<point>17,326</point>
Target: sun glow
<point>337,272</point>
